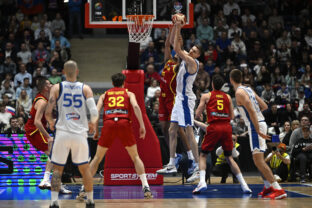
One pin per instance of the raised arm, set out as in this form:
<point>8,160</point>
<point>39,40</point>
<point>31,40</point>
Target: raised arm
<point>51,103</point>
<point>167,46</point>
<point>190,62</point>
<point>138,114</point>
<point>202,104</point>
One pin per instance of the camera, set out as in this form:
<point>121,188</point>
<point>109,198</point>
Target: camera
<point>275,149</point>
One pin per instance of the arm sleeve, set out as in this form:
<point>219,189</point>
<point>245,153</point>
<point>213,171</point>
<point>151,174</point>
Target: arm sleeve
<point>92,108</point>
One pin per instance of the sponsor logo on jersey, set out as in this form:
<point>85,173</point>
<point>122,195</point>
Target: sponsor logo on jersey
<point>72,116</point>
<point>219,114</point>
<point>131,176</point>
<point>115,111</point>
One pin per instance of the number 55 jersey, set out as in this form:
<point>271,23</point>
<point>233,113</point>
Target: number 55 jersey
<point>71,108</point>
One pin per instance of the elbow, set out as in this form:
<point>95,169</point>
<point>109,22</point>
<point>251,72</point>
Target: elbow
<point>37,123</point>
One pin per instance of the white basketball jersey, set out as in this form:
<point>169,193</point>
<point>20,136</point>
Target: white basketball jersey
<point>185,82</point>
<point>71,108</point>
<point>255,104</point>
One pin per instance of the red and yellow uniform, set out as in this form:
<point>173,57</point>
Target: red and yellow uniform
<point>33,134</point>
<point>218,118</point>
<point>117,118</point>
<point>168,90</point>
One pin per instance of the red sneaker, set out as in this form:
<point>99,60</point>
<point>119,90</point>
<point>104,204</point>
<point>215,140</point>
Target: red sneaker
<point>276,194</point>
<point>265,191</point>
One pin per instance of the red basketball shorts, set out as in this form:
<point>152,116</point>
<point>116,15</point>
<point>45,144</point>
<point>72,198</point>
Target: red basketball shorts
<point>121,129</point>
<point>37,139</point>
<point>218,132</point>
<point>165,108</point>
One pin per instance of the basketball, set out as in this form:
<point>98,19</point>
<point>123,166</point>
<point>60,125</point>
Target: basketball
<point>179,17</point>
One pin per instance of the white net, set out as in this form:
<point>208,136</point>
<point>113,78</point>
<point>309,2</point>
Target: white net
<point>139,27</point>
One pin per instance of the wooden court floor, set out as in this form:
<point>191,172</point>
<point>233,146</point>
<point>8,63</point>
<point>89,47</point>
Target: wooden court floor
<point>171,194</point>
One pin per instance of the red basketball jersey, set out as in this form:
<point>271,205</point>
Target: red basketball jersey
<point>218,107</point>
<point>30,124</point>
<point>168,80</point>
<point>116,104</point>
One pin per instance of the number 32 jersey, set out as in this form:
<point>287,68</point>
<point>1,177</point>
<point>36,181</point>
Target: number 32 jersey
<point>116,104</point>
<point>71,108</point>
<point>218,107</point>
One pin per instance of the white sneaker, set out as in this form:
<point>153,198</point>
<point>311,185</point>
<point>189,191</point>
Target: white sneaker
<point>246,189</point>
<point>168,169</point>
<point>277,178</point>
<point>45,184</point>
<point>193,177</point>
<point>200,187</point>
<point>64,190</point>
<point>82,194</point>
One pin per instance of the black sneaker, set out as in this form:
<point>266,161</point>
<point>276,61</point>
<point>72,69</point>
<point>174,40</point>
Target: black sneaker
<point>223,180</point>
<point>54,205</point>
<point>147,193</point>
<point>90,204</point>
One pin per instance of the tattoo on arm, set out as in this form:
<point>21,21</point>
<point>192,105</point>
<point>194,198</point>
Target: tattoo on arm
<point>56,181</point>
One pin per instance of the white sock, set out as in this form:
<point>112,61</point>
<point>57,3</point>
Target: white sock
<point>54,196</point>
<point>143,180</point>
<point>46,176</point>
<point>90,196</point>
<point>172,161</point>
<point>266,184</point>
<point>190,155</point>
<point>241,179</point>
<point>202,176</point>
<point>276,186</point>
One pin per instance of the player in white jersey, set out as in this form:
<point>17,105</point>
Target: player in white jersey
<point>72,99</point>
<point>250,107</point>
<point>183,110</point>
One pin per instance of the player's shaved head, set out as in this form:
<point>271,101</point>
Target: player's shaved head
<point>70,68</point>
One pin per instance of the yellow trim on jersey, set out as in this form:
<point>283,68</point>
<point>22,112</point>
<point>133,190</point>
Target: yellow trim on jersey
<point>42,137</point>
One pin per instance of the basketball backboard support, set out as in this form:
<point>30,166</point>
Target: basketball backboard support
<point>112,14</point>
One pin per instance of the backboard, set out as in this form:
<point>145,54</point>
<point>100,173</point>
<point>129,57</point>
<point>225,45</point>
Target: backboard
<point>112,13</point>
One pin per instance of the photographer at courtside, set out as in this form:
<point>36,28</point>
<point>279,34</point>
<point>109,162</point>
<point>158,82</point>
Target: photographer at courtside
<point>279,162</point>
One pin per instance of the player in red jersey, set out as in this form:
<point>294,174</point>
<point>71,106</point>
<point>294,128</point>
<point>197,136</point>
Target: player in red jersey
<point>219,109</point>
<point>117,103</point>
<point>36,132</point>
<point>35,126</point>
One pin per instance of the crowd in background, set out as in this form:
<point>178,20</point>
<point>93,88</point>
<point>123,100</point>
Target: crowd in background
<point>269,41</point>
<point>32,44</point>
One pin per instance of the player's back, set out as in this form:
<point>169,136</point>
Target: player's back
<point>243,111</point>
<point>30,124</point>
<point>71,108</point>
<point>218,107</point>
<point>185,82</point>
<point>116,104</point>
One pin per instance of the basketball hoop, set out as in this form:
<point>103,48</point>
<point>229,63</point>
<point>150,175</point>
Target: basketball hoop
<point>139,27</point>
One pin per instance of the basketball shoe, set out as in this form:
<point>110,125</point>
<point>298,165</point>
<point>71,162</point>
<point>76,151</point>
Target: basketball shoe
<point>193,177</point>
<point>200,187</point>
<point>265,191</point>
<point>45,184</point>
<point>54,205</point>
<point>193,167</point>
<point>64,190</point>
<point>276,194</point>
<point>168,169</point>
<point>82,194</point>
<point>90,204</point>
<point>147,193</point>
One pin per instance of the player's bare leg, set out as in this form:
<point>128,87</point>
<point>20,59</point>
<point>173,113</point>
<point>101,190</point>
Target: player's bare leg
<point>99,155</point>
<point>165,129</point>
<point>56,185</point>
<point>46,183</point>
<point>272,189</point>
<point>139,168</point>
<point>235,169</point>
<point>87,182</point>
<point>192,155</point>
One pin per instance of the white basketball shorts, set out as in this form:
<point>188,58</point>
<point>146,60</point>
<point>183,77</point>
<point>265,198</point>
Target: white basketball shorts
<point>183,112</point>
<point>256,142</point>
<point>64,142</point>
